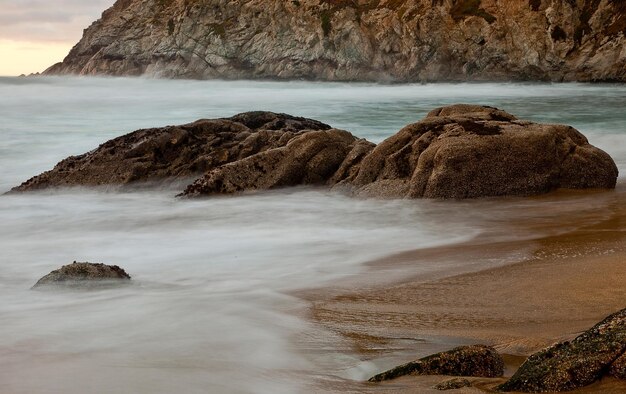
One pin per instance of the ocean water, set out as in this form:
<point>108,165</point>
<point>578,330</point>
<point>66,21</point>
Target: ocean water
<point>213,306</point>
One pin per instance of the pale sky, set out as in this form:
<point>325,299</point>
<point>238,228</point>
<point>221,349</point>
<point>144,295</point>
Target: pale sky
<point>35,34</point>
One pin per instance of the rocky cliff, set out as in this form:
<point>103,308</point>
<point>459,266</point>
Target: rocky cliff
<point>379,40</point>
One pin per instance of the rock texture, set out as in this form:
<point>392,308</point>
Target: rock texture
<point>569,365</point>
<point>84,275</point>
<point>174,152</point>
<point>456,152</point>
<point>312,158</point>
<point>452,384</point>
<point>382,40</point>
<point>460,151</point>
<point>476,360</point>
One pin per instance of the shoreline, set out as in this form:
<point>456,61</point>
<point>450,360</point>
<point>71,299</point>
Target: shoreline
<point>550,289</point>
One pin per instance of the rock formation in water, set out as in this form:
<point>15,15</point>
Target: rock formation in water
<point>84,275</point>
<point>312,158</point>
<point>460,151</point>
<point>476,360</point>
<point>380,40</point>
<point>598,352</point>
<point>468,151</point>
<point>174,152</point>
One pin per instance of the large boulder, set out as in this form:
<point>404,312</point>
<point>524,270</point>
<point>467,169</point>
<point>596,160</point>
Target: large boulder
<point>84,275</point>
<point>467,151</point>
<point>569,365</point>
<point>476,360</point>
<point>174,152</point>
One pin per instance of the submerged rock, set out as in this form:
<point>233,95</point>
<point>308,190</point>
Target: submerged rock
<point>577,363</point>
<point>84,275</point>
<point>174,152</point>
<point>452,384</point>
<point>476,360</point>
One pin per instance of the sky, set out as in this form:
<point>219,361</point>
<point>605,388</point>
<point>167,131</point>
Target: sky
<point>35,34</point>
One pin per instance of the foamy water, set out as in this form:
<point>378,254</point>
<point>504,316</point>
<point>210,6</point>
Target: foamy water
<point>210,310</point>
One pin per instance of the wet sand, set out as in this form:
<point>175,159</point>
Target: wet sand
<point>550,289</point>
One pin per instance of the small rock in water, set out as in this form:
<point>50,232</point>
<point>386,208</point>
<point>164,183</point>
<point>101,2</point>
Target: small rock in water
<point>475,360</point>
<point>84,275</point>
<point>452,384</point>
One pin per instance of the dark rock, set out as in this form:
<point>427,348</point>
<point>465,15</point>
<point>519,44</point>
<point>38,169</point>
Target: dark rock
<point>452,384</point>
<point>618,367</point>
<point>476,360</point>
<point>577,363</point>
<point>174,152</point>
<point>84,275</point>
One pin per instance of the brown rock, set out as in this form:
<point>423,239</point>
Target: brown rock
<point>310,158</point>
<point>618,367</point>
<point>460,151</point>
<point>578,363</point>
<point>467,151</point>
<point>476,360</point>
<point>173,152</point>
<point>84,275</point>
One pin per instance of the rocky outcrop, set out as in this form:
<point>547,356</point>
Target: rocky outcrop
<point>476,360</point>
<point>312,158</point>
<point>84,275</point>
<point>598,352</point>
<point>174,152</point>
<point>468,151</point>
<point>381,40</point>
<point>456,152</point>
<point>460,151</point>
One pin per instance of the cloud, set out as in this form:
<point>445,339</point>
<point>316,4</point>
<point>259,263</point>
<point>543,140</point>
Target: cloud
<point>22,57</point>
<point>48,20</point>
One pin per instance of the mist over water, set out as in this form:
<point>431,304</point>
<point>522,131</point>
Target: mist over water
<point>211,310</point>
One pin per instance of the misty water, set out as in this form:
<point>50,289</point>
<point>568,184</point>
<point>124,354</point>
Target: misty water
<point>212,308</point>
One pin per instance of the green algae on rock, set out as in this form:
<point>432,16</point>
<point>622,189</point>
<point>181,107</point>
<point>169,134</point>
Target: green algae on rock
<point>570,365</point>
<point>475,360</point>
<point>452,384</point>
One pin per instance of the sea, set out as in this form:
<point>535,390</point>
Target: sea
<point>214,304</point>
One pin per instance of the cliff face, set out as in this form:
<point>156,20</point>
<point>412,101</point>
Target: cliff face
<point>379,40</point>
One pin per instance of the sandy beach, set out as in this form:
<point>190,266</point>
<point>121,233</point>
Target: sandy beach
<point>550,288</point>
